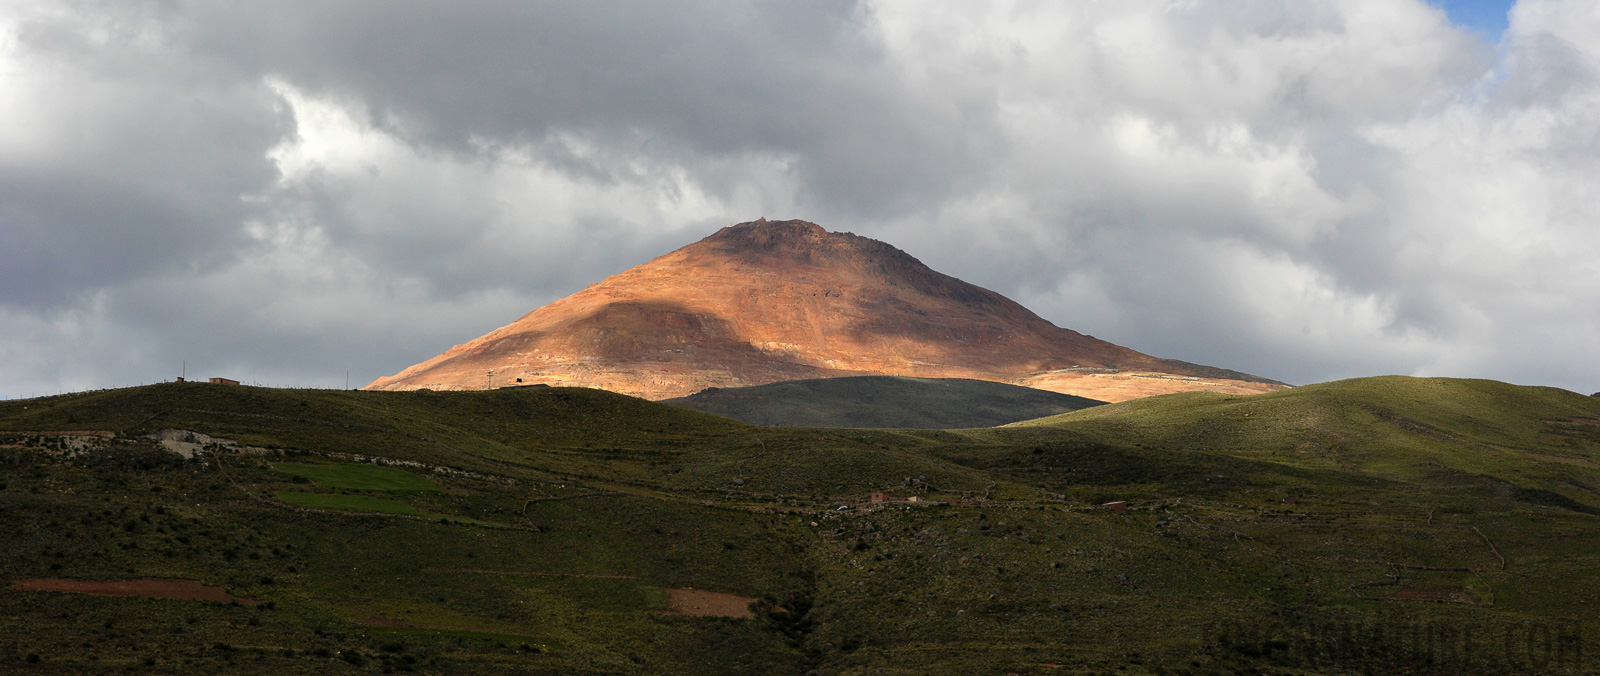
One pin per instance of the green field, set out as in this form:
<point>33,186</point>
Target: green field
<point>354,503</point>
<point>358,477</point>
<point>1383,525</point>
<point>376,505</point>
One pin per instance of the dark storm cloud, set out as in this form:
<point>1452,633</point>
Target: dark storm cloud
<point>124,158</point>
<point>704,78</point>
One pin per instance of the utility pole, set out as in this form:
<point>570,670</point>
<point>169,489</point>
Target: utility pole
<point>183,371</point>
<point>346,380</point>
<point>491,379</point>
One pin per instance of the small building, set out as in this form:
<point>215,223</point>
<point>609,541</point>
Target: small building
<point>879,497</point>
<point>1120,506</point>
<point>224,381</point>
<point>913,499</point>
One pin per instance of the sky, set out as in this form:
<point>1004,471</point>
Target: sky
<point>1484,17</point>
<point>1306,190</point>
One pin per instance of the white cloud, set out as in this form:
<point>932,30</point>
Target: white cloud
<point>1347,185</point>
<point>1303,189</point>
<point>555,209</point>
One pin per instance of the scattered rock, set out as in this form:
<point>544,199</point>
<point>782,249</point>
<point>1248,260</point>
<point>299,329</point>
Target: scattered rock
<point>189,444</point>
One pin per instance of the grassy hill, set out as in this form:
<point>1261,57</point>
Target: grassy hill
<point>1391,525</point>
<point>1430,431</point>
<point>883,402</point>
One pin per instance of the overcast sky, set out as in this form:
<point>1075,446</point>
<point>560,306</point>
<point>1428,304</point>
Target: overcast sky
<point>284,191</point>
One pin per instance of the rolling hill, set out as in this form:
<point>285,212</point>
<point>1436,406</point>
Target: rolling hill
<point>1384,525</point>
<point>765,302</point>
<point>1426,430</point>
<point>883,402</point>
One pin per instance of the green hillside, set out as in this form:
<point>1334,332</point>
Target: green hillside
<point>1431,431</point>
<point>1384,525</point>
<point>883,402</point>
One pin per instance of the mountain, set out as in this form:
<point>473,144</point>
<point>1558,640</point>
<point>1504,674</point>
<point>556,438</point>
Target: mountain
<point>764,302</point>
<point>883,402</point>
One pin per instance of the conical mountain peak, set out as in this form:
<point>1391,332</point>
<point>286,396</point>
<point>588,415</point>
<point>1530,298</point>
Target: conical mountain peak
<point>803,242</point>
<point>766,301</point>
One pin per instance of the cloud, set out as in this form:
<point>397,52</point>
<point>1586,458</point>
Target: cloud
<point>1304,190</point>
<point>119,157</point>
<point>1330,190</point>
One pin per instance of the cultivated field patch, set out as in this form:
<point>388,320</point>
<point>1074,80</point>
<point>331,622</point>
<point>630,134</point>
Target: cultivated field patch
<point>367,503</point>
<point>353,503</point>
<point>703,603</point>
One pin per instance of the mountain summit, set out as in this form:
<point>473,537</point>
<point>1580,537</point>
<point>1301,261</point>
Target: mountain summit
<point>762,302</point>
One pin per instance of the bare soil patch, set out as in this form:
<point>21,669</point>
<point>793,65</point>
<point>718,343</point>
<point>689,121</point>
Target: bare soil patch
<point>709,604</point>
<point>183,590</point>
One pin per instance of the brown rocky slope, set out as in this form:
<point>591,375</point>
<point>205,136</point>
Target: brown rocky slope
<point>763,302</point>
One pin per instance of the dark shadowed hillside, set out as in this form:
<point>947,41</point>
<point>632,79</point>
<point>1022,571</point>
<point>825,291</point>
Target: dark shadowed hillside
<point>883,402</point>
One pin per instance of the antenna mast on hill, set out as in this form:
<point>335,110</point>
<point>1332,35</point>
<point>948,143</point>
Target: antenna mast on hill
<point>347,380</point>
<point>183,371</point>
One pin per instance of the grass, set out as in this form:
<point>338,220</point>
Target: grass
<point>354,503</point>
<point>1261,532</point>
<point>517,640</point>
<point>1437,431</point>
<point>365,503</point>
<point>883,402</point>
<point>358,477</point>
